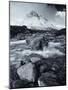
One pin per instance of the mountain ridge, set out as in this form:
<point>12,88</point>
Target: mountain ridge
<point>35,21</point>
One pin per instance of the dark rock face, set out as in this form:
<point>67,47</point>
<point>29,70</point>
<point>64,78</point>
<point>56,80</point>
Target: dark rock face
<point>61,75</point>
<point>22,84</point>
<point>55,67</point>
<point>47,79</point>
<point>15,30</point>
<point>43,68</point>
<point>61,32</point>
<point>13,73</point>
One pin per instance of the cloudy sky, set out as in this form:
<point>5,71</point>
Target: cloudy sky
<point>19,11</point>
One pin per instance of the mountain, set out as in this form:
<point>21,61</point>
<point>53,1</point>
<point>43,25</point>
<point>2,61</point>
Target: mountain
<point>60,32</point>
<point>35,21</point>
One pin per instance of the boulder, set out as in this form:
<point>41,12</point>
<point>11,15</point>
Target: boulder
<point>37,42</point>
<point>35,58</point>
<point>61,75</point>
<point>55,67</point>
<point>47,79</point>
<point>27,72</point>
<point>26,59</point>
<point>16,64</point>
<point>43,68</point>
<point>21,84</point>
<point>13,73</point>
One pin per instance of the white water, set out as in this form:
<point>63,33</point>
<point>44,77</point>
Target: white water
<point>54,44</point>
<point>45,53</point>
<point>17,42</point>
<point>49,51</point>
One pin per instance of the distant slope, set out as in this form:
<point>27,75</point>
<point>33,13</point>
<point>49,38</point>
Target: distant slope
<point>61,32</point>
<point>15,30</point>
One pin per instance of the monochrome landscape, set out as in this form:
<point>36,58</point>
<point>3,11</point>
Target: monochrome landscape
<point>37,45</point>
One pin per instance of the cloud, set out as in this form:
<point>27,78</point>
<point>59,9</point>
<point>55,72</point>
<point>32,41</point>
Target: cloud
<point>60,14</point>
<point>60,18</point>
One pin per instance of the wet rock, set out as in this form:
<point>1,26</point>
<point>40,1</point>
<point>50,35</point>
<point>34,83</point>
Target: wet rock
<point>37,42</point>
<point>55,67</point>
<point>35,58</point>
<point>27,72</point>
<point>13,73</point>
<point>21,84</point>
<point>61,75</point>
<point>43,68</point>
<point>44,64</point>
<point>17,64</point>
<point>26,59</point>
<point>47,79</point>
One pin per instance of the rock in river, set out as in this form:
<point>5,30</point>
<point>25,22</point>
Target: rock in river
<point>27,72</point>
<point>35,58</point>
<point>47,79</point>
<point>21,84</point>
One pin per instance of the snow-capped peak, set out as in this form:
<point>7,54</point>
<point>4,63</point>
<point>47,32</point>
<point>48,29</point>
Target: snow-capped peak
<point>35,21</point>
<point>33,14</point>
